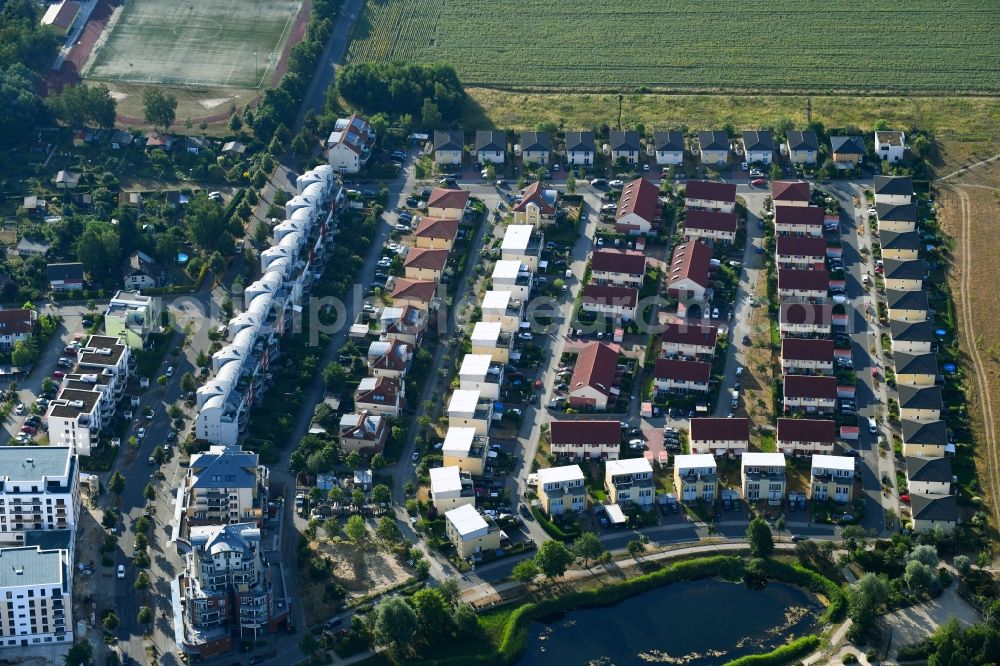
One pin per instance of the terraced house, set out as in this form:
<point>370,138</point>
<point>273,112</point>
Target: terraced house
<point>710,195</point>
<point>693,341</point>
<point>619,268</point>
<point>586,439</point>
<point>806,356</point>
<point>720,436</point>
<point>709,225</point>
<point>802,437</point>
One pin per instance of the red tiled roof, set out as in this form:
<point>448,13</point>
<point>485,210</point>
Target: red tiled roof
<point>710,220</point>
<point>800,349</point>
<point>535,193</point>
<point>629,262</point>
<point>421,290</point>
<point>691,260</point>
<point>16,322</point>
<point>690,334</point>
<point>803,279</point>
<point>445,198</point>
<point>363,431</point>
<point>641,197</point>
<point>703,429</point>
<point>66,15</point>
<point>437,227</point>
<point>396,356</point>
<point>595,367</point>
<point>805,246</point>
<point>710,190</point>
<point>805,215</point>
<point>685,371</point>
<point>424,258</point>
<point>611,296</point>
<point>806,430</point>
<point>806,313</point>
<point>387,387</point>
<point>790,190</point>
<point>806,386</point>
<point>585,432</point>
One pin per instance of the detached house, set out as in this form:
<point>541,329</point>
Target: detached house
<point>896,217</point>
<point>798,221</point>
<point>448,146</point>
<point>638,208</point>
<point>801,252</point>
<point>713,146</point>
<point>894,190</point>
<point>363,431</point>
<point>933,511</point>
<point>692,341</point>
<point>791,193</point>
<point>803,147</point>
<point>466,448</point>
<point>501,306</point>
<point>710,225</point>
<point>419,294</point>
<point>616,302</point>
<point>537,206</point>
<point>919,369</point>
<point>64,277</point>
<point>720,436</point>
<point>389,358</point>
<point>669,147</point>
<point>911,337</point>
<point>758,146</point>
<point>763,476</point>
<point>447,203</point>
<point>920,403</point>
<point>890,146</point>
<point>810,393</point>
<point>592,383</point>
<point>451,488</point>
<point>140,272</point>
<point>470,532</point>
<point>562,489</point>
<point>381,395</point>
<point>536,148</point>
<point>619,268</point>
<point>491,146</point>
<point>929,476</point>
<point>630,481</point>
<point>710,195</point>
<point>927,439</point>
<point>806,356</point>
<point>625,146</point>
<point>902,246</point>
<point>522,243</point>
<point>805,319</point>
<point>904,275</point>
<point>847,151</point>
<point>696,478</point>
<point>435,233</point>
<point>349,145</point>
<point>469,410</point>
<point>810,285</point>
<point>689,272</point>
<point>421,264</point>
<point>680,376</point>
<point>586,440</point>
<point>907,305</point>
<point>16,325</point>
<point>580,148</point>
<point>831,478</point>
<point>803,437</point>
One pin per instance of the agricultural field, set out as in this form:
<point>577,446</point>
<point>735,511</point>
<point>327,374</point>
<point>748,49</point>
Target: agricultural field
<point>780,45</point>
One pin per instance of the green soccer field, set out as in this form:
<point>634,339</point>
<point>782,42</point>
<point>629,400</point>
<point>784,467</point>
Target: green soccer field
<point>712,45</point>
<point>225,43</point>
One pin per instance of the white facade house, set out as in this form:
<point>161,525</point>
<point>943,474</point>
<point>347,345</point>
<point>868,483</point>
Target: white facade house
<point>562,489</point>
<point>468,409</point>
<point>668,147</point>
<point>37,585</point>
<point>763,476</point>
<point>480,372</point>
<point>501,306</point>
<point>580,148</point>
<point>450,488</point>
<point>349,145</point>
<point>522,243</point>
<point>513,276</point>
<point>629,480</point>
<point>225,485</point>
<point>39,490</point>
<point>832,478</point>
<point>466,448</point>
<point>696,477</point>
<point>890,146</point>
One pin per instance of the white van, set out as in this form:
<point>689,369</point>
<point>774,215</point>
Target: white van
<point>872,426</point>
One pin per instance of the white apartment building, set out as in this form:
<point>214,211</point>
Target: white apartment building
<point>480,372</point>
<point>132,317</point>
<point>39,490</point>
<point>451,488</point>
<point>37,586</point>
<point>226,485</point>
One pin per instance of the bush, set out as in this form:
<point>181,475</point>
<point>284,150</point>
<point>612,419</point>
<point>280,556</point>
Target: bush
<point>782,655</point>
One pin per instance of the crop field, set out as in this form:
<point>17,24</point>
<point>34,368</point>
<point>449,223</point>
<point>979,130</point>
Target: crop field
<point>225,43</point>
<point>777,45</point>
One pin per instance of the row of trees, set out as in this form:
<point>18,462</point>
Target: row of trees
<point>432,93</point>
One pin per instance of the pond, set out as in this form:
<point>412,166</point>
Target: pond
<point>694,623</point>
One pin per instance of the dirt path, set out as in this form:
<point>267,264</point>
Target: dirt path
<point>967,168</point>
<point>968,327</point>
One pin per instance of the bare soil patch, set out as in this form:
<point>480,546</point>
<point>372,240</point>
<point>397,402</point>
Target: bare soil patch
<point>360,570</point>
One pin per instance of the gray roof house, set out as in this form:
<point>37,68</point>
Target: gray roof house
<point>920,397</point>
<point>847,146</point>
<point>448,140</point>
<point>928,470</point>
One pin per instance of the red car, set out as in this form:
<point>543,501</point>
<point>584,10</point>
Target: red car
<point>874,372</point>
<point>58,374</point>
<point>31,430</point>
<point>758,182</point>
<point>904,498</point>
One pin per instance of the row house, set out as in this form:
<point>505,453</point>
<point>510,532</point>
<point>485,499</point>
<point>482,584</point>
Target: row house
<point>561,490</point>
<point>911,337</point>
<point>678,376</point>
<point>417,294</point>
<point>928,476</point>
<point>933,512</point>
<point>639,209</point>
<point>592,384</point>
<point>466,448</point>
<point>802,252</point>
<point>693,341</point>
<point>710,195</point>
<point>918,369</point>
<point>810,393</point>
<point>805,319</point>
<point>893,190</point>
<point>796,193</point>
<point>928,439</point>
<point>831,478</point>
<point>469,409</point>
<point>422,264</point>
<point>904,275</point>
<point>479,372</point>
<point>586,439</point>
<point>920,403</point>
<point>521,242</point>
<point>435,233</point>
<point>619,268</point>
<point>799,284</point>
<point>617,302</point>
<point>896,217</point>
<point>710,225</point>
<point>803,437</point>
<point>763,477</point>
<point>900,245</point>
<point>500,306</point>
<point>696,478</point>
<point>489,338</point>
<point>447,203</point>
<point>798,221</point>
<point>806,356</point>
<point>690,271</point>
<point>720,436</point>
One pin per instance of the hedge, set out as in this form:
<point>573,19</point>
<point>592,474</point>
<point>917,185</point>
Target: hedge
<point>796,574</point>
<point>551,528</point>
<point>782,655</point>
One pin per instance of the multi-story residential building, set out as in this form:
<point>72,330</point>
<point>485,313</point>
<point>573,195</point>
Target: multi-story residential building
<point>536,147</point>
<point>832,478</point>
<point>364,432</point>
<point>801,252</point>
<point>468,409</point>
<point>39,490</point>
<point>639,210</point>
<point>618,303</point>
<point>580,148</point>
<point>713,146</point>
<point>890,146</point>
<point>226,485</point>
<point>447,203</point>
<point>929,476</point>
<point>806,356</point>
<point>669,147</point>
<point>805,319</point>
<point>686,340</point>
<point>710,195</point>
<point>381,395</point>
<point>680,376</point>
<point>798,437</point>
<point>791,193</point>
<point>448,146</point>
<point>227,589</point>
<point>501,306</point>
<point>696,478</point>
<point>586,440</point>
<point>37,585</point>
<point>810,393</point>
<point>538,205</point>
<point>720,436</point>
<point>758,146</point>
<point>618,268</point>
<point>491,147</point>
<point>470,532</point>
<point>562,489</point>
<point>75,419</point>
<point>131,317</point>
<point>513,276</point>
<point>710,225</point>
<point>629,481</point>
<point>920,403</point>
<point>801,284</point>
<point>763,476</point>
<point>479,372</point>
<point>593,382</point>
<point>798,221</point>
<point>924,439</point>
<point>16,325</point>
<point>350,144</point>
<point>489,338</point>
<point>435,233</point>
<point>521,242</point>
<point>451,488</point>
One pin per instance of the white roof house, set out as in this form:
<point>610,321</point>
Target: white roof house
<point>517,237</point>
<point>486,333</point>
<point>627,466</point>
<point>507,269</point>
<point>467,522</point>
<point>475,365</point>
<point>559,474</point>
<point>458,441</point>
<point>446,479</point>
<point>758,459</point>
<point>842,463</point>
<point>496,300</point>
<point>694,461</point>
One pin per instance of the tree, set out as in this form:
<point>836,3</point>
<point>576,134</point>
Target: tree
<point>779,524</point>
<point>635,548</point>
<point>570,182</point>
<point>433,615</point>
<point>159,455</point>
<point>387,530</point>
<point>759,537</point>
<point>145,615</point>
<point>395,624</point>
<point>806,550</point>
<point>335,376</point>
<point>430,114</point>
<point>356,529</point>
<point>354,460</point>
<point>99,248</point>
<point>776,173</point>
<point>76,105</point>
<point>864,598</point>
<point>381,495</point>
<point>20,109</point>
<point>25,353</point>
<point>963,564</point>
<point>149,492</point>
<point>552,559</point>
<point>925,554</point>
<point>587,547</point>
<point>525,571</point>
<point>141,581</point>
<point>336,495</point>
<point>235,123</point>
<point>188,382</point>
<point>111,623</point>
<point>109,518</point>
<point>378,461</point>
<point>853,536</point>
<point>205,222</point>
<point>451,591</point>
<point>116,483</point>
<point>80,654</point>
<point>465,621</point>
<point>159,108</point>
<point>358,498</point>
<point>920,578</point>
